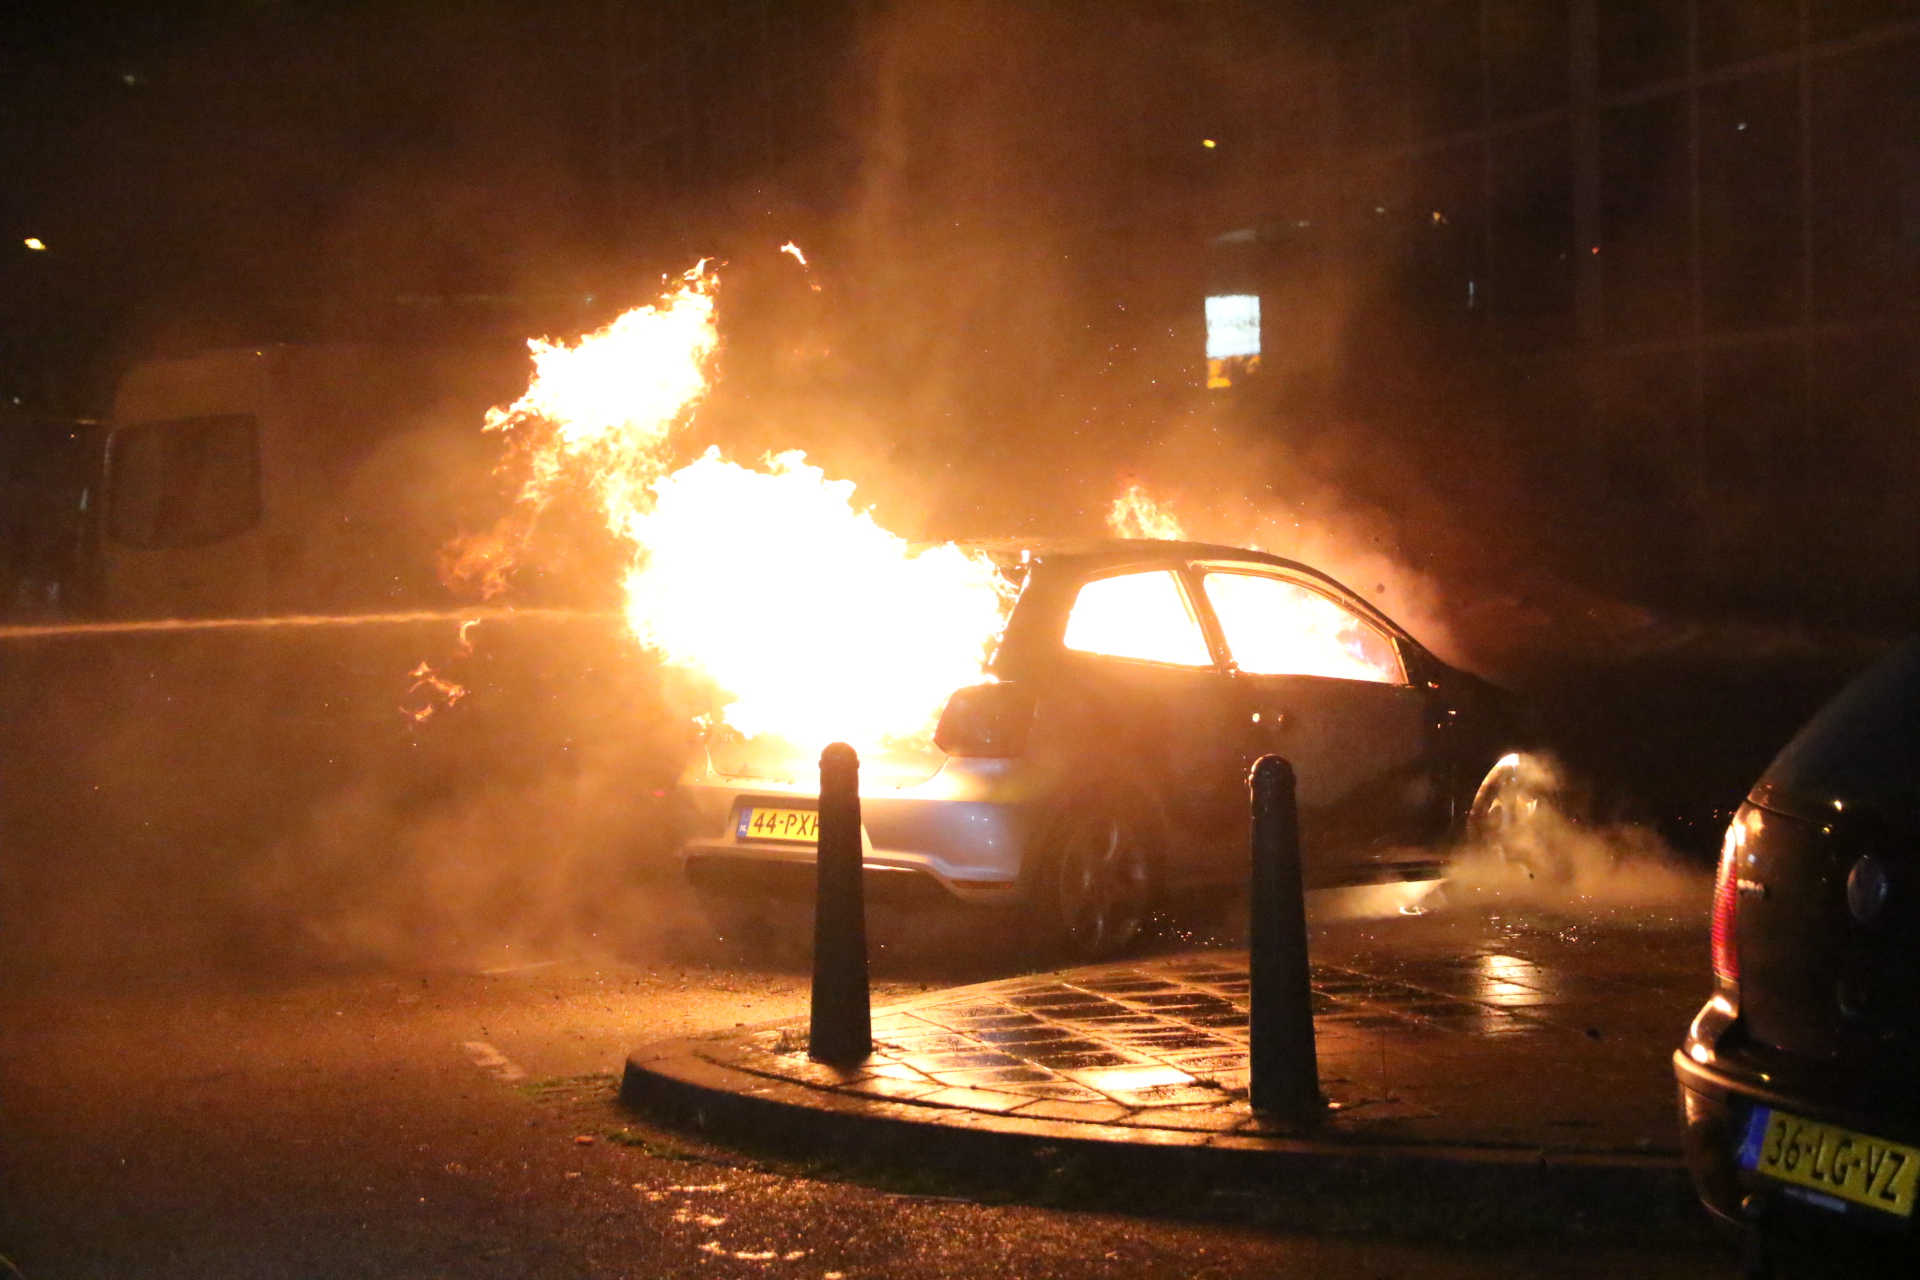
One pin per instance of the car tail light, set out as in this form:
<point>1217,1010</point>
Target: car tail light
<point>986,720</point>
<point>1726,906</point>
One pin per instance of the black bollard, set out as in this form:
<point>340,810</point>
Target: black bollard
<point>841,1026</point>
<point>1282,1059</point>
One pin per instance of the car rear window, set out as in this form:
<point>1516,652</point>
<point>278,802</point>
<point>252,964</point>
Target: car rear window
<point>1278,628</point>
<point>1865,743</point>
<point>1138,615</point>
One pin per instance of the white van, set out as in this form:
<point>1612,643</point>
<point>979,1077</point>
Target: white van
<point>290,479</point>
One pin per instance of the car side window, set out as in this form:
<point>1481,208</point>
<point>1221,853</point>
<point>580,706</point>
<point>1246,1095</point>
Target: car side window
<point>1138,615</point>
<point>1278,628</point>
<point>184,483</point>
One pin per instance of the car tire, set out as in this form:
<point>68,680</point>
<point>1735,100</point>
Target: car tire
<point>1518,816</point>
<point>1497,806</point>
<point>1099,883</point>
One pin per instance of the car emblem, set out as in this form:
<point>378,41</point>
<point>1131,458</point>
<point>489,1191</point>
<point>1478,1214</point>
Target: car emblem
<point>1867,887</point>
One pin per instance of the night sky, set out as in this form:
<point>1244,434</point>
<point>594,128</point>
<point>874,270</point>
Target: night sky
<point>234,171</point>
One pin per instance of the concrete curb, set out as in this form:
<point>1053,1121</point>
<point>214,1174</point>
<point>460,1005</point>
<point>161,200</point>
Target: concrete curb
<point>1362,1185</point>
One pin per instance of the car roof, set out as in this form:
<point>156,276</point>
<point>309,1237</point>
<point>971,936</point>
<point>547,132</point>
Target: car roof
<point>1117,549</point>
<point>1091,554</point>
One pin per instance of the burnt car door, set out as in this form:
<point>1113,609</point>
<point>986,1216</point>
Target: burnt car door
<point>1323,686</point>
<point>1153,710</point>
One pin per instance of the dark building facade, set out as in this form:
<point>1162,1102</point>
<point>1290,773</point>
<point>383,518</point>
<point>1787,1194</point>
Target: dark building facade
<point>1660,256</point>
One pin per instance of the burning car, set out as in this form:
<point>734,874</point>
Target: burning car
<point>1098,774</point>
<point>1065,726</point>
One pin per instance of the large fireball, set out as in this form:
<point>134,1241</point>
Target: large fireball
<point>816,623</point>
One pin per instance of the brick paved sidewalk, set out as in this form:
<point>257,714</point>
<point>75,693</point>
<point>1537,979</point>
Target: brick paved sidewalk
<point>1538,1037</point>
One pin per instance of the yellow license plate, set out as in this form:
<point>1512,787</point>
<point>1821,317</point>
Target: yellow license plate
<point>802,826</point>
<point>1832,1160</point>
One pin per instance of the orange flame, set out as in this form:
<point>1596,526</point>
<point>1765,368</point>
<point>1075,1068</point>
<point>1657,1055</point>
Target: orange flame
<point>791,248</point>
<point>1136,514</point>
<point>601,409</point>
<point>816,623</point>
<point>425,677</point>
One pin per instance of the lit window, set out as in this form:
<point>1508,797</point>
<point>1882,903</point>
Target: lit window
<point>1233,336</point>
<point>1137,615</point>
<point>1233,326</point>
<point>1278,628</point>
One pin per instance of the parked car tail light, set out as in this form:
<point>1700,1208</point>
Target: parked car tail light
<point>1726,904</point>
<point>986,720</point>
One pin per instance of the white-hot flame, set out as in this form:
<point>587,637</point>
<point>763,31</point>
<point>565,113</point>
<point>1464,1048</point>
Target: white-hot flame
<point>814,622</point>
<point>820,623</point>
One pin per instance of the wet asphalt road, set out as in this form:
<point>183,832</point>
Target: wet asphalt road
<point>427,1124</point>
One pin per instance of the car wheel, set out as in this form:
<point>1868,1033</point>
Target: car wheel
<point>1500,805</point>
<point>1100,879</point>
<point>1518,816</point>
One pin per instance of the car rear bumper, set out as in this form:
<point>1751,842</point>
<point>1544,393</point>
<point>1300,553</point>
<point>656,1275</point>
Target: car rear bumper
<point>965,832</point>
<point>748,869</point>
<point>726,872</point>
<point>1708,1138</point>
<point>1717,1100</point>
<point>960,835</point>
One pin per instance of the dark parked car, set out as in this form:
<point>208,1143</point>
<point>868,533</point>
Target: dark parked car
<point>1102,773</point>
<point>1798,1078</point>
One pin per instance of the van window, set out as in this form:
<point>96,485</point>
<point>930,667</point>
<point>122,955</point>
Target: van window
<point>185,482</point>
<point>1137,615</point>
<point>1278,628</point>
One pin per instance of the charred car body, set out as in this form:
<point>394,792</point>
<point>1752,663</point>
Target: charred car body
<point>1796,1079</point>
<point>1101,773</point>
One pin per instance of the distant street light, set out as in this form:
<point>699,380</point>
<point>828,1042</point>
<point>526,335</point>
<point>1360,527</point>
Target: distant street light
<point>34,243</point>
